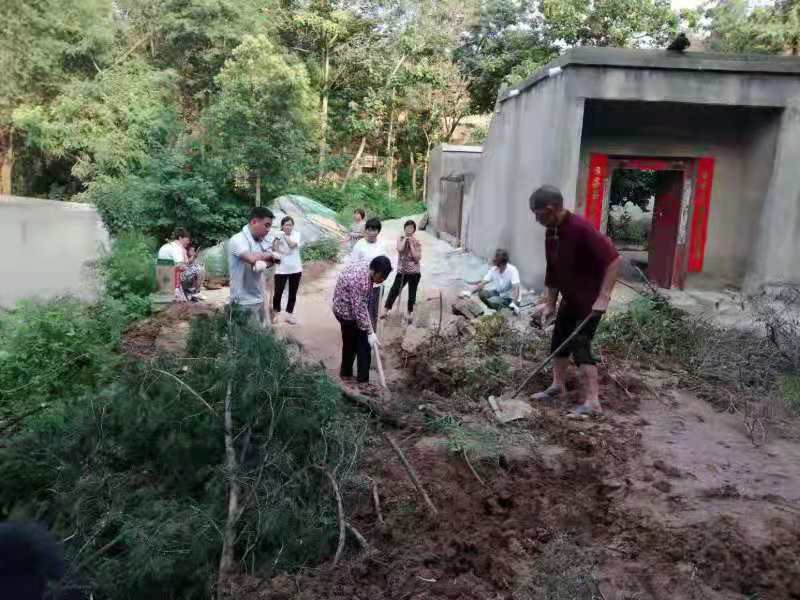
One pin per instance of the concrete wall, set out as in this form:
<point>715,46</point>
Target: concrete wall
<point>533,139</point>
<point>742,142</point>
<point>44,249</point>
<point>776,257</point>
<point>448,160</point>
<point>536,133</point>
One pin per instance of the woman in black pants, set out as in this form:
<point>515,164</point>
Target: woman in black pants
<point>289,270</point>
<point>409,250</point>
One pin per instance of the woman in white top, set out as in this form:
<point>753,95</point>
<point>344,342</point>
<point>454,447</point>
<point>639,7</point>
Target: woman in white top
<point>365,250</point>
<point>289,269</point>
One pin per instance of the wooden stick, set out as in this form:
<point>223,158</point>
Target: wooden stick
<point>441,311</point>
<point>377,502</point>
<point>381,376</point>
<point>340,515</point>
<point>471,468</point>
<point>412,474</point>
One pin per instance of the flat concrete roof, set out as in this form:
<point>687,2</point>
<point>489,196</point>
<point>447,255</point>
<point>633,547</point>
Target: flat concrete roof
<point>461,148</point>
<point>663,60</point>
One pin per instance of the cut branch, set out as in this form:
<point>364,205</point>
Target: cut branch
<point>234,490</point>
<point>412,474</point>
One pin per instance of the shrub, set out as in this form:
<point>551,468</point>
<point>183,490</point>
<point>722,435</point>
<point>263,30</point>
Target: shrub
<point>325,250</point>
<point>652,326</point>
<point>56,352</point>
<point>134,479</point>
<point>174,188</point>
<point>129,271</point>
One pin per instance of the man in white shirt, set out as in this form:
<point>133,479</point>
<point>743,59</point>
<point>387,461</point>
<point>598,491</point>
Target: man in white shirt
<point>500,287</point>
<point>364,251</point>
<point>249,255</point>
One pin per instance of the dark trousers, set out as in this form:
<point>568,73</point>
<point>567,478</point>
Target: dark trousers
<point>400,281</point>
<point>580,348</point>
<point>373,304</point>
<point>355,346</point>
<point>280,284</point>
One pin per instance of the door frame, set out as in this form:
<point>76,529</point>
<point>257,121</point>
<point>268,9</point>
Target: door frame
<point>698,175</point>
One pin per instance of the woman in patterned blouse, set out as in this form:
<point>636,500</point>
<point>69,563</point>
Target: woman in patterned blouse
<point>409,250</point>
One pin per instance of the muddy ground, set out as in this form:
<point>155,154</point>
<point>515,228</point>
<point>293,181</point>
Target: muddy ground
<point>665,497</point>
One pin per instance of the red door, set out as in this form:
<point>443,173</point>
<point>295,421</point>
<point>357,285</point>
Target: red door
<point>664,231</point>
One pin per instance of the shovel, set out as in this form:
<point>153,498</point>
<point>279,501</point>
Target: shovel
<point>516,409</point>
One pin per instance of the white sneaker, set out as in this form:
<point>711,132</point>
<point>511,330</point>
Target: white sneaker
<point>291,319</point>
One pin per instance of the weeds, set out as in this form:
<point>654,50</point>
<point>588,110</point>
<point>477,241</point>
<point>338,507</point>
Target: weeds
<point>563,570</point>
<point>55,353</point>
<point>322,250</point>
<point>651,326</point>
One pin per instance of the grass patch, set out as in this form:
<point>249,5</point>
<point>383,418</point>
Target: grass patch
<point>790,392</point>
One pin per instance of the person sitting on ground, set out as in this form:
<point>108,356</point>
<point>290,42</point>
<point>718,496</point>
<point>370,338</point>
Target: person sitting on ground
<point>500,287</point>
<point>409,251</point>
<point>249,255</point>
<point>356,232</point>
<point>351,308</point>
<point>582,267</point>
<point>365,251</point>
<point>176,251</point>
<point>192,276</point>
<point>289,270</point>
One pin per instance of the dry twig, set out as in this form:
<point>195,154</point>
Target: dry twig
<point>471,468</point>
<point>377,501</point>
<point>357,534</point>
<point>412,474</point>
<point>340,515</point>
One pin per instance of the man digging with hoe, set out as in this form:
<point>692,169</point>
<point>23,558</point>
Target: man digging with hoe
<point>582,266</point>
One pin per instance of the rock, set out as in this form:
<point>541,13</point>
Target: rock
<point>414,338</point>
<point>467,308</point>
<point>315,221</point>
<point>662,486</point>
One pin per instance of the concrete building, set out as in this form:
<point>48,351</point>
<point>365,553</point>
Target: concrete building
<point>451,173</point>
<point>722,133</point>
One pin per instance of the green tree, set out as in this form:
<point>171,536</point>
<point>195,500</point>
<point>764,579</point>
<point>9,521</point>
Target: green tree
<point>261,120</point>
<point>513,38</point>
<point>194,38</point>
<point>108,125</point>
<point>335,38</point>
<point>42,44</point>
<point>735,26</point>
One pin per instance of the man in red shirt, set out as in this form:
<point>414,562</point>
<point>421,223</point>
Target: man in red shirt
<point>582,267</point>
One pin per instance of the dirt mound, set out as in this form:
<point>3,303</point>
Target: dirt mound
<point>164,331</point>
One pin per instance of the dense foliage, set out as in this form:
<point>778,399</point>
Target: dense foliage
<point>131,475</point>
